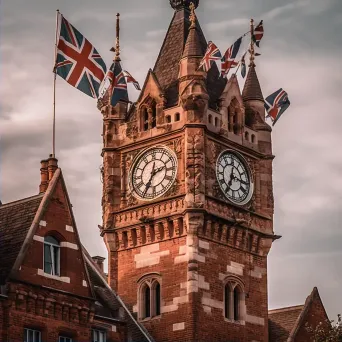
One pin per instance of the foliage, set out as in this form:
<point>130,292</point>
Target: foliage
<point>326,332</point>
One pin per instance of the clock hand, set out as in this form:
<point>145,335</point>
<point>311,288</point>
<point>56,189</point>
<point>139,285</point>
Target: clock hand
<point>231,177</point>
<point>159,169</point>
<point>148,184</point>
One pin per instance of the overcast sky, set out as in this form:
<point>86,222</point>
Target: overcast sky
<point>301,52</point>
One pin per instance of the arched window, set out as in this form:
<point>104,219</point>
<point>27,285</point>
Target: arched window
<point>247,136</point>
<point>234,300</point>
<point>168,118</point>
<point>210,118</point>
<point>177,117</point>
<point>51,256</point>
<point>216,122</point>
<point>253,138</point>
<point>149,298</point>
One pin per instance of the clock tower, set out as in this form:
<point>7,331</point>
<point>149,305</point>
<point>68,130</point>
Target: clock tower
<point>187,196</point>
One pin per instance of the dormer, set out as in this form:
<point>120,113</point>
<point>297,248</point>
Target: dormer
<point>232,109</point>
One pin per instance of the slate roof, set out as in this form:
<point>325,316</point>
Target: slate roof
<point>252,89</point>
<point>15,221</point>
<point>166,68</point>
<point>282,321</point>
<point>112,302</point>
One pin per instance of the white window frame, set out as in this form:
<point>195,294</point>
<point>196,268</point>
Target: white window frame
<point>101,335</point>
<point>27,331</point>
<point>54,248</point>
<point>64,339</point>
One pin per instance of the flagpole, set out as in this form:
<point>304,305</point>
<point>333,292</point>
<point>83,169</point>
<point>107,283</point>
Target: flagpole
<point>54,91</point>
<point>252,52</point>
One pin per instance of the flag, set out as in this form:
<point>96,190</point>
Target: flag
<point>258,33</point>
<point>117,84</point>
<point>77,61</point>
<point>228,60</point>
<point>131,79</point>
<point>243,66</point>
<point>211,55</point>
<point>276,104</point>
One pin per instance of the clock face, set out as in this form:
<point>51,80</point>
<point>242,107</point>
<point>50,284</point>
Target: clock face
<point>234,178</point>
<point>153,173</point>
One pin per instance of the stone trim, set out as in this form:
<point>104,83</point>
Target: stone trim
<point>178,326</point>
<point>46,275</point>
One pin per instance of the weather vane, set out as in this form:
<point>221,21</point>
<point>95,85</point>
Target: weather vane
<point>116,49</point>
<point>192,15</point>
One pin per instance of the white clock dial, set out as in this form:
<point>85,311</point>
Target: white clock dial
<point>234,178</point>
<point>153,173</point>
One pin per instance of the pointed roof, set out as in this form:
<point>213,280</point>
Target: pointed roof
<point>193,46</point>
<point>285,323</point>
<point>252,89</point>
<point>166,68</point>
<point>15,221</point>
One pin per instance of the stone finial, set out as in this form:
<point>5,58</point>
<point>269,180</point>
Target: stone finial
<point>179,4</point>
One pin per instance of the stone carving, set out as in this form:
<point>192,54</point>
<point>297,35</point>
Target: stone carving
<point>132,130</point>
<point>174,190</point>
<point>131,200</point>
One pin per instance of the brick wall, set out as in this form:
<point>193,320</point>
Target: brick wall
<point>53,313</point>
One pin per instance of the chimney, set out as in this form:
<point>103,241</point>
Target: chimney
<point>99,262</point>
<point>47,170</point>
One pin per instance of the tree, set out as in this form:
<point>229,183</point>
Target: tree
<point>327,331</point>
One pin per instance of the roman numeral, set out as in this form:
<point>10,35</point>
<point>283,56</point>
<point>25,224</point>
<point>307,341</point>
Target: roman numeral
<point>140,185</point>
<point>169,178</point>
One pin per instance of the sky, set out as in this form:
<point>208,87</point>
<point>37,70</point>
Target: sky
<point>301,52</point>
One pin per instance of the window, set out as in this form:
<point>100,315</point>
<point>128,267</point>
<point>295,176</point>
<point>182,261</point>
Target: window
<point>31,335</point>
<point>64,339</point>
<point>216,122</point>
<point>168,118</point>
<point>149,299</point>
<point>98,335</point>
<point>177,117</point>
<point>253,138</point>
<point>51,256</point>
<point>210,118</point>
<point>234,301</point>
<point>246,136</point>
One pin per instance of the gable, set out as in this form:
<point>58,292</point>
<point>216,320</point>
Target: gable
<point>313,314</point>
<point>55,219</point>
<point>15,221</point>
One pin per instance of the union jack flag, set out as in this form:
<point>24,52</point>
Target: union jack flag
<point>117,84</point>
<point>243,66</point>
<point>258,33</point>
<point>77,60</point>
<point>228,60</point>
<point>211,55</point>
<point>131,79</point>
<point>276,104</point>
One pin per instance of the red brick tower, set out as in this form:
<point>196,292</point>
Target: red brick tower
<point>187,196</point>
